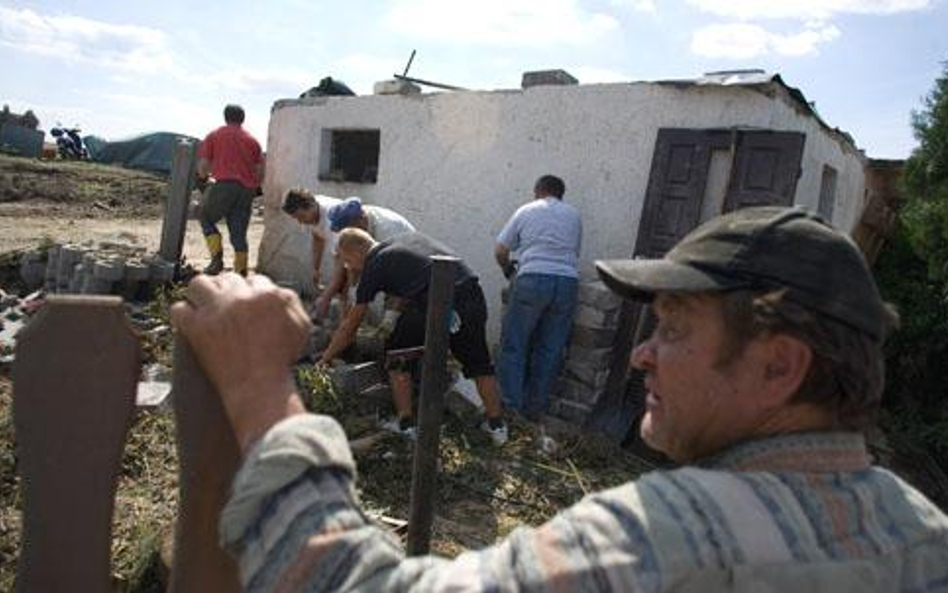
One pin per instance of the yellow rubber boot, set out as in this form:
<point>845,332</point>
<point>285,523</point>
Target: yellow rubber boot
<point>240,262</point>
<point>216,249</point>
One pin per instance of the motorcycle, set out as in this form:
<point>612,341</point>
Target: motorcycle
<point>69,143</point>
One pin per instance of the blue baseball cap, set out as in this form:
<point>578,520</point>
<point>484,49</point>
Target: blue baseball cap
<point>344,214</point>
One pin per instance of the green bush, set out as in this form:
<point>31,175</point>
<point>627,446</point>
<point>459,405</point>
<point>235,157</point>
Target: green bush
<point>916,399</point>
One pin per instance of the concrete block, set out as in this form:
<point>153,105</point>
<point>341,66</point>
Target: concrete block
<point>396,87</point>
<point>161,270</point>
<point>597,294</point>
<point>52,264</point>
<point>572,412</point>
<point>353,379</point>
<point>589,316</point>
<point>111,270</point>
<point>73,283</point>
<point>592,377</point>
<point>375,397</point>
<point>547,77</point>
<point>93,285</point>
<point>69,257</point>
<point>592,337</point>
<point>575,391</point>
<point>32,272</point>
<point>136,271</point>
<point>596,357</point>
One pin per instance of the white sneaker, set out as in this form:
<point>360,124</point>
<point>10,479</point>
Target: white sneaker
<point>394,424</point>
<point>498,435</point>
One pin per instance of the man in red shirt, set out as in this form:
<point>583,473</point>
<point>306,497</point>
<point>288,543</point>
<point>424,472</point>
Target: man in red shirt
<point>234,159</point>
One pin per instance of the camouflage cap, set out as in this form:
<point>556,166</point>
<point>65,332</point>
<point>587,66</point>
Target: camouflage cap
<point>767,248</point>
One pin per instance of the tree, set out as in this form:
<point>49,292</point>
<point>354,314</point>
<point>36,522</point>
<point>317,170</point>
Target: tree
<point>912,272</point>
<point>925,215</point>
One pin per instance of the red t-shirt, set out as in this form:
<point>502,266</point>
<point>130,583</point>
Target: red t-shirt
<point>233,154</point>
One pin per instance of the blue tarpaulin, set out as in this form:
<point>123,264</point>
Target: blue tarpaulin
<point>150,152</point>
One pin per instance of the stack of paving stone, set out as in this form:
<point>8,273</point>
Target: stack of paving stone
<point>589,356</point>
<point>95,268</point>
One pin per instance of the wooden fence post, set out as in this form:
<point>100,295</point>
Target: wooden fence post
<point>431,404</point>
<point>179,195</point>
<point>208,458</point>
<point>74,380</point>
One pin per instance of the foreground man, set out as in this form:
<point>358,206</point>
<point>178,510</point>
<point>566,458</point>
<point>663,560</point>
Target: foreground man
<point>765,365</point>
<point>401,268</point>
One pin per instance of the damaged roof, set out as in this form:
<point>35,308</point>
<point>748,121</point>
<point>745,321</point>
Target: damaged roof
<point>761,80</point>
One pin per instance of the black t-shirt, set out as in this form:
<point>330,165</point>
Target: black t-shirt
<point>401,267</point>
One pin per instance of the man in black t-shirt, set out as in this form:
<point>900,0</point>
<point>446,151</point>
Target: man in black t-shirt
<point>401,268</point>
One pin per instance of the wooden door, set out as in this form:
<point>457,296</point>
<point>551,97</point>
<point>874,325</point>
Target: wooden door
<point>766,169</point>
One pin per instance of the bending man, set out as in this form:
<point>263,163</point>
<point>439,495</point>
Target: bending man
<point>401,268</point>
<point>327,216</point>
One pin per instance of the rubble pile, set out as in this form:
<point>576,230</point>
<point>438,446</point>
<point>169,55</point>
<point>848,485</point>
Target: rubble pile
<point>15,312</point>
<point>95,268</point>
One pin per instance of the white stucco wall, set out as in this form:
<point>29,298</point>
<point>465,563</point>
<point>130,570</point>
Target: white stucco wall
<point>458,164</point>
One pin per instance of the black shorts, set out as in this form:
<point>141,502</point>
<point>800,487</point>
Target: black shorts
<point>468,345</point>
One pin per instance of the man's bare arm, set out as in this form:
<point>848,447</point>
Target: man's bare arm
<point>345,333</point>
<point>246,334</point>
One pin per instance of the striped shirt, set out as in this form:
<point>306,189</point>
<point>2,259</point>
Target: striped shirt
<point>798,513</point>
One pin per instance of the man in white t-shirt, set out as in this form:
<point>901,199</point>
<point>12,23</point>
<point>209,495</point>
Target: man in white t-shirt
<point>328,216</point>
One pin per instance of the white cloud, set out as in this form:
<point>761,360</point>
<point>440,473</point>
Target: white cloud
<point>802,43</point>
<point>730,41</point>
<point>805,10</point>
<point>249,80</point>
<point>74,38</point>
<point>744,40</point>
<point>647,6</point>
<point>505,23</point>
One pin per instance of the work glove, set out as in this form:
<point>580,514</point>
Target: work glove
<point>510,270</point>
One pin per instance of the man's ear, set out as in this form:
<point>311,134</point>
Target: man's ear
<point>787,363</point>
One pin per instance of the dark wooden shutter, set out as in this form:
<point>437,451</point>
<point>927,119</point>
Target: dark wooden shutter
<point>766,169</point>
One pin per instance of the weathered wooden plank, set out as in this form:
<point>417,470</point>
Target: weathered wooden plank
<point>431,405</point>
<point>208,456</point>
<point>179,195</point>
<point>76,368</point>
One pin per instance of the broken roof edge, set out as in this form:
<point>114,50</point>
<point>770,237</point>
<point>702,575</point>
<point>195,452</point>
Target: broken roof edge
<point>758,79</point>
<point>752,78</point>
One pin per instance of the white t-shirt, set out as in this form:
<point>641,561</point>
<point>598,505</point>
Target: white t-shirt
<point>385,224</point>
<point>321,229</point>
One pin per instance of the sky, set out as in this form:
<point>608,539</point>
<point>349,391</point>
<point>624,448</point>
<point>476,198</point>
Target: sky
<point>119,69</point>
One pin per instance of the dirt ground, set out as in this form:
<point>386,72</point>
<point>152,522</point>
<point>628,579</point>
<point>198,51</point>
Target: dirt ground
<point>22,227</point>
<point>71,202</point>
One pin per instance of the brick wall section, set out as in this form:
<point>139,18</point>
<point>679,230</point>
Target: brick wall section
<point>589,355</point>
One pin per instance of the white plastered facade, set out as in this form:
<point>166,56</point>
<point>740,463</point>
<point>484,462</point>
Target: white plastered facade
<point>458,164</point>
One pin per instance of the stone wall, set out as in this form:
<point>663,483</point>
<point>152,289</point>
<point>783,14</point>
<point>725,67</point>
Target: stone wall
<point>589,355</point>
